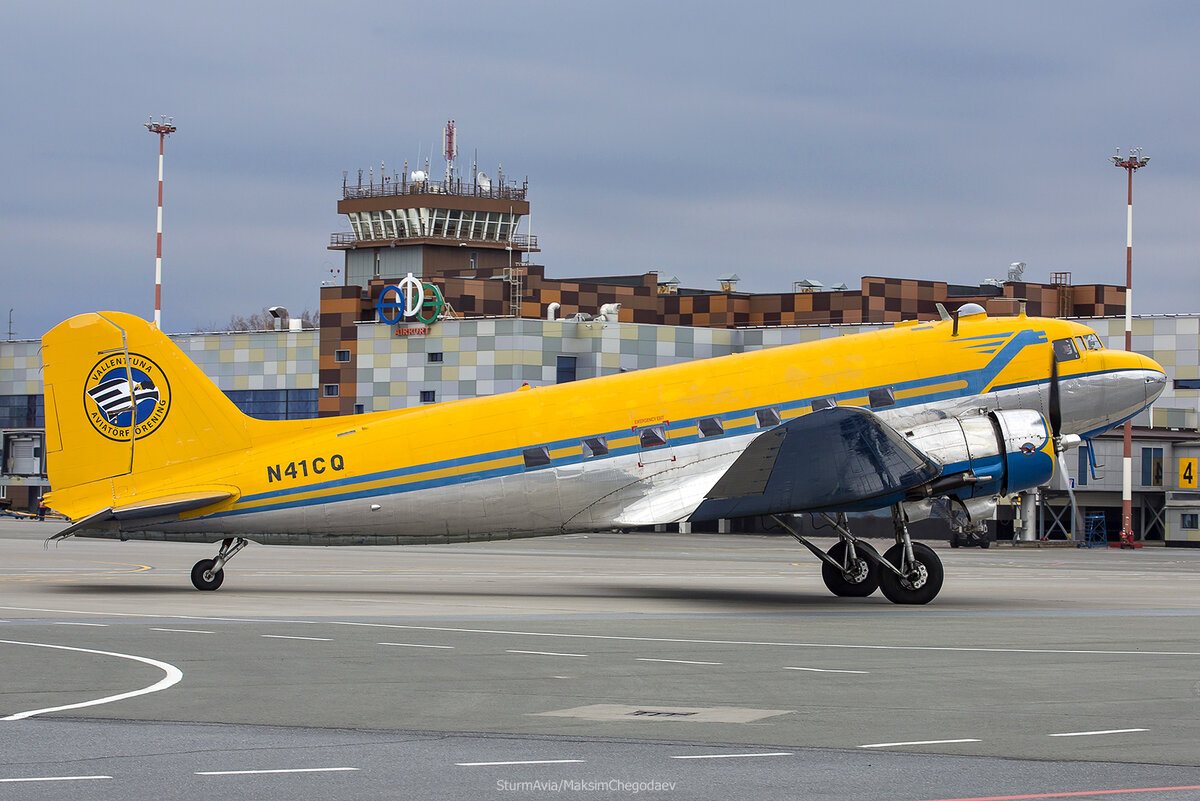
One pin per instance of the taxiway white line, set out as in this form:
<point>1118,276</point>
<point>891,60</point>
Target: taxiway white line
<point>921,742</point>
<point>415,645</point>
<point>545,653</point>
<point>290,637</point>
<point>55,779</point>
<point>827,670</point>
<point>159,617</point>
<point>72,623</point>
<point>276,770</point>
<point>1090,733</point>
<point>626,638</point>
<point>173,677</point>
<point>520,762</point>
<point>676,661</point>
<point>183,631</point>
<point>734,756</point>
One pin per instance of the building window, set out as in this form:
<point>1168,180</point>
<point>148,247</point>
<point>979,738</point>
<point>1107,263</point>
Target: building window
<point>428,396</point>
<point>435,357</point>
<point>565,369</point>
<point>884,396</point>
<point>710,427</point>
<point>331,390</point>
<point>1152,467</point>
<point>275,404</point>
<point>1189,520</point>
<point>653,437</point>
<point>341,356</point>
<point>474,260</point>
<point>536,457</point>
<point>1187,383</point>
<point>21,411</point>
<point>595,446</point>
<point>765,418</point>
<point>360,408</point>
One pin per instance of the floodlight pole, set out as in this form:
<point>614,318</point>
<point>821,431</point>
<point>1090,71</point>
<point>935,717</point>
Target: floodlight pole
<point>163,127</point>
<point>1131,163</point>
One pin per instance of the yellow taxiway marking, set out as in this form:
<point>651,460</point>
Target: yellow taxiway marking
<point>71,576</point>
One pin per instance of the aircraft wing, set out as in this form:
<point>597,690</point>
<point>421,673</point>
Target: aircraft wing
<point>838,458</point>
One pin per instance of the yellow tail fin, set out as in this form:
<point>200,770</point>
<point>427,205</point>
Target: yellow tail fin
<point>122,401</point>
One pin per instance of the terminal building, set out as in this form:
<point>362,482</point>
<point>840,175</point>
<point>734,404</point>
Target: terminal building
<point>440,301</point>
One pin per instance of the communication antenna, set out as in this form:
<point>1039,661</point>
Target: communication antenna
<point>485,183</point>
<point>450,150</point>
<point>10,328</point>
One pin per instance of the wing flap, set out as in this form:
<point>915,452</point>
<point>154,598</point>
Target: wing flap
<point>838,458</point>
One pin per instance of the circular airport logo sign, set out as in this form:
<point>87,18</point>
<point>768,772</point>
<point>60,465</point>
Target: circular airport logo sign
<point>127,401</point>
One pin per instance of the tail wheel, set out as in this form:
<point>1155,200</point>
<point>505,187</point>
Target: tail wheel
<point>861,576</point>
<point>204,577</point>
<point>922,578</point>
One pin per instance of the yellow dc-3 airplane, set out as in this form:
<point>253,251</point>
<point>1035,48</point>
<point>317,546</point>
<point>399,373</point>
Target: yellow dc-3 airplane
<point>925,418</point>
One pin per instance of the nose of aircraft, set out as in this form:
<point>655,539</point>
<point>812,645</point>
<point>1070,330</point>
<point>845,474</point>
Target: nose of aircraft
<point>1154,378</point>
<point>1125,384</point>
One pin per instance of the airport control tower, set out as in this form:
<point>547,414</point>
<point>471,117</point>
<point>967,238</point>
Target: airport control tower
<point>410,223</point>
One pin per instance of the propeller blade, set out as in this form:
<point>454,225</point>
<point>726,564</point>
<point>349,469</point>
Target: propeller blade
<point>1055,399</point>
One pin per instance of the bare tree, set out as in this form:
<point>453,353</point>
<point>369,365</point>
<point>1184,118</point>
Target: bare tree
<point>264,321</point>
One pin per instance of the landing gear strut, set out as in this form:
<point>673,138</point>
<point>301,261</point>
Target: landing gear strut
<point>908,573</point>
<point>207,574</point>
<point>851,567</point>
<point>916,571</point>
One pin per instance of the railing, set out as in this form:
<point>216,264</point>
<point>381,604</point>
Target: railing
<point>350,239</point>
<point>392,186</point>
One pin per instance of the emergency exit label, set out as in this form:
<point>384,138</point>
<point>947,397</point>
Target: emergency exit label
<point>1187,473</point>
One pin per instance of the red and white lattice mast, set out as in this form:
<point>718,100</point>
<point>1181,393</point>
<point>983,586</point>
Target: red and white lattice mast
<point>450,151</point>
<point>1134,161</point>
<point>163,127</point>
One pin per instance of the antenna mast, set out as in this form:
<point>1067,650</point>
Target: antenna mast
<point>450,151</point>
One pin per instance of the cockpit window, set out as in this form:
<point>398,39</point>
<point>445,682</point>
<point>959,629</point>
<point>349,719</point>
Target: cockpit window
<point>1064,350</point>
<point>1092,342</point>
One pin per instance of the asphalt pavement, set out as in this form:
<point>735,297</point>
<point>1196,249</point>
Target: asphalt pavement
<point>662,665</point>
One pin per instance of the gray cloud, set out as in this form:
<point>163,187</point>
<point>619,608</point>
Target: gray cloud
<point>930,140</point>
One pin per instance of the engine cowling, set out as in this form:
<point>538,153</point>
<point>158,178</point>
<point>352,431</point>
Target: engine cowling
<point>985,455</point>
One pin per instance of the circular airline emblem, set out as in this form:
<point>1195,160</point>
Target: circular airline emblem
<point>1028,449</point>
<point>126,401</point>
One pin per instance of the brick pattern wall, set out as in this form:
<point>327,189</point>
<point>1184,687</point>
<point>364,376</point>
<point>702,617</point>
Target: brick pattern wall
<point>341,308</point>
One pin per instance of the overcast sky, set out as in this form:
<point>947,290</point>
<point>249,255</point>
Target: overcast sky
<point>778,141</point>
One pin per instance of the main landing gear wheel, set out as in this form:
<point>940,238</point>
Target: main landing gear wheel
<point>860,576</point>
<point>922,578</point>
<point>204,577</point>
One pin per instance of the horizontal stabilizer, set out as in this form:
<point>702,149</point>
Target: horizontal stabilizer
<point>161,506</point>
<point>837,458</point>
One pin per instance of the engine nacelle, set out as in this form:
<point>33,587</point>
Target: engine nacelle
<point>991,454</point>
